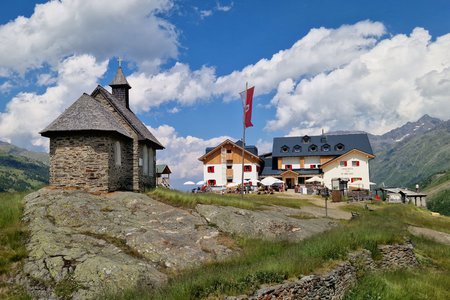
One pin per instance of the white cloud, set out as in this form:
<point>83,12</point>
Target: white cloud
<point>45,79</point>
<point>101,28</point>
<point>5,87</point>
<point>205,13</point>
<point>28,113</point>
<point>224,8</point>
<point>178,84</point>
<point>320,50</point>
<point>174,110</point>
<point>399,79</point>
<point>264,146</point>
<point>182,153</point>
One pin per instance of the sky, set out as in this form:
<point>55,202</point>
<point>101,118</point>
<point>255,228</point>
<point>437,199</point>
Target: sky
<point>332,65</point>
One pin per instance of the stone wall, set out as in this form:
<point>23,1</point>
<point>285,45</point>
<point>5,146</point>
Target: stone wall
<point>84,161</point>
<point>121,177</point>
<point>335,283</point>
<point>139,181</point>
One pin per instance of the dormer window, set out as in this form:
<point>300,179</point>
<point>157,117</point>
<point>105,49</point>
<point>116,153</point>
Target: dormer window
<point>306,139</point>
<point>297,148</point>
<point>312,148</point>
<point>325,148</point>
<point>285,149</point>
<point>339,147</point>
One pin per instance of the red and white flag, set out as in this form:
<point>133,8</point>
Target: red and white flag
<point>247,98</point>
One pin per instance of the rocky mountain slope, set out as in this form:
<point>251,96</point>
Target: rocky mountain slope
<point>404,132</point>
<point>410,154</point>
<point>21,169</point>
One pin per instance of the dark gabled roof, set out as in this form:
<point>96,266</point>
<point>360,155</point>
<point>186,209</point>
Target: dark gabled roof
<point>85,114</point>
<point>120,79</point>
<point>163,169</point>
<point>130,117</point>
<point>250,148</point>
<point>227,141</point>
<point>296,146</point>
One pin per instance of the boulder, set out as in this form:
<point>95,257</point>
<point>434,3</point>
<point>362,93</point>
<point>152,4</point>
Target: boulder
<point>82,245</point>
<point>267,224</point>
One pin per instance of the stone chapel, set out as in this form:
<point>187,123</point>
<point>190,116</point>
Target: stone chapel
<point>99,145</point>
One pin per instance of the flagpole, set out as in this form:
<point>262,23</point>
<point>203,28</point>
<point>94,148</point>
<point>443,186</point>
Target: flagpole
<point>243,139</point>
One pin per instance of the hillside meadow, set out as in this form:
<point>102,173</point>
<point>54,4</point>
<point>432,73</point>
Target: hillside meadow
<point>263,262</point>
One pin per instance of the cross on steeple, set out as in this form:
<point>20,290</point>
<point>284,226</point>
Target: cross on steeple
<point>120,61</point>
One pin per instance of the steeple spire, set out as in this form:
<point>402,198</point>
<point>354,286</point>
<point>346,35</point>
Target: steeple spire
<point>120,86</point>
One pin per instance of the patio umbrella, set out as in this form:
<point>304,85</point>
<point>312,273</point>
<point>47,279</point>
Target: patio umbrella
<point>189,183</point>
<point>314,179</point>
<point>270,180</point>
<point>201,182</point>
<point>232,184</point>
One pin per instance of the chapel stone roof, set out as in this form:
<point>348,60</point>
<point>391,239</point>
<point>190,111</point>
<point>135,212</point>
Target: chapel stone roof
<point>85,114</point>
<point>141,129</point>
<point>120,79</point>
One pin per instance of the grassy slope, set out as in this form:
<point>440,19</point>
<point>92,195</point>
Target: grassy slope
<point>19,173</point>
<point>12,243</point>
<point>271,262</point>
<point>252,201</point>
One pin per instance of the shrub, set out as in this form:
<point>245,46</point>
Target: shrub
<point>440,203</point>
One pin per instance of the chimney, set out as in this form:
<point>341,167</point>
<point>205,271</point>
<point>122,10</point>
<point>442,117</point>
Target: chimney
<point>120,88</point>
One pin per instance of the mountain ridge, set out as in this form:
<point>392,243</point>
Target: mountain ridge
<point>21,169</point>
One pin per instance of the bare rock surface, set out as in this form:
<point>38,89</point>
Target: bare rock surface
<point>82,244</point>
<point>438,236</point>
<point>273,224</point>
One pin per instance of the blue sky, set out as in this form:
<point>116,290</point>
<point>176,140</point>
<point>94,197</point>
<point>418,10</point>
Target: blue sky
<point>336,65</point>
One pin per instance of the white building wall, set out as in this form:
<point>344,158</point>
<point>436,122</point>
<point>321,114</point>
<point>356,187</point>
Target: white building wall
<point>217,175</point>
<point>220,169</point>
<point>237,173</point>
<point>334,170</point>
<point>294,161</point>
<point>311,160</point>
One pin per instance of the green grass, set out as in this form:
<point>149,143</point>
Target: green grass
<point>250,201</point>
<point>430,281</point>
<point>12,242</point>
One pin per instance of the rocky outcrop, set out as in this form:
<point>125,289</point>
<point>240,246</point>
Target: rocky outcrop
<point>335,283</point>
<point>82,244</point>
<point>270,224</point>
